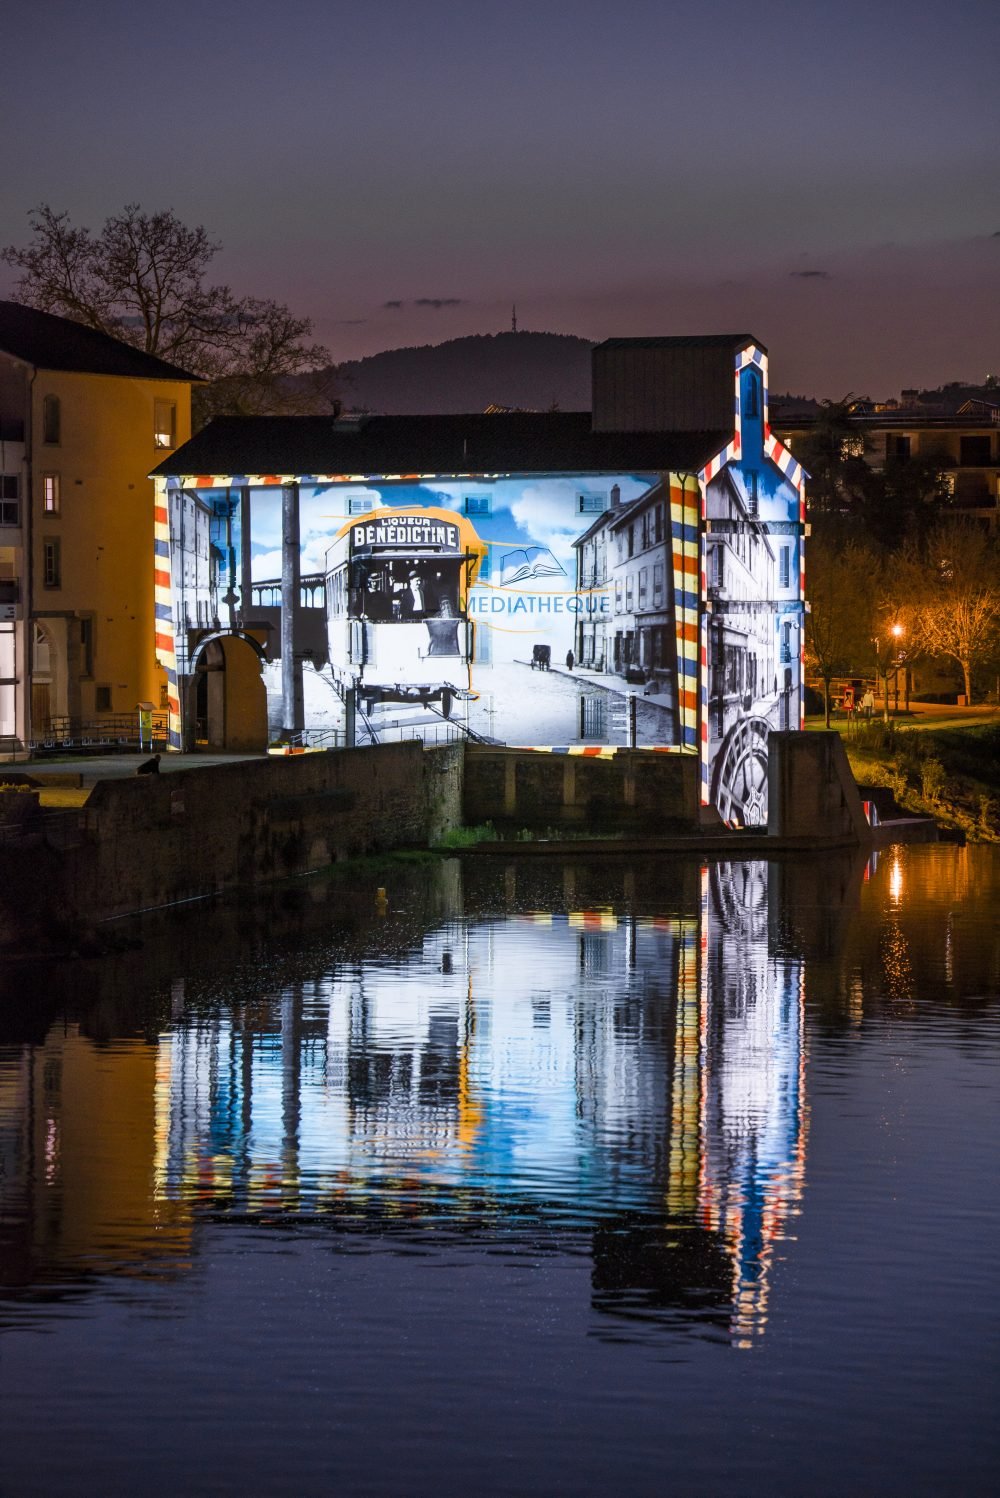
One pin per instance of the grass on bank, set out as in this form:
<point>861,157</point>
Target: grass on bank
<point>946,768</point>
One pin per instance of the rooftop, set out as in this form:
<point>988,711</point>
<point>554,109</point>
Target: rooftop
<point>49,342</point>
<point>509,442</point>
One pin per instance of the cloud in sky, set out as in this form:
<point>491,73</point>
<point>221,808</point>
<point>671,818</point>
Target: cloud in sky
<point>437,302</point>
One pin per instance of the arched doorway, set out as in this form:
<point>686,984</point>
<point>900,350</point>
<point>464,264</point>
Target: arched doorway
<point>227,702</point>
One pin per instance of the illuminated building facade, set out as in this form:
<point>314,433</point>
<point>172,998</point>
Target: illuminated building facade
<point>82,417</point>
<point>574,582</point>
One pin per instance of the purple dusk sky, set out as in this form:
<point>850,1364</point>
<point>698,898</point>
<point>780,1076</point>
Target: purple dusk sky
<point>822,175</point>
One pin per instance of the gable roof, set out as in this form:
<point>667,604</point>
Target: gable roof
<point>50,342</point>
<point>521,442</point>
<point>681,340</point>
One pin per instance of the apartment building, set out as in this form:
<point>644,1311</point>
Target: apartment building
<point>83,419</point>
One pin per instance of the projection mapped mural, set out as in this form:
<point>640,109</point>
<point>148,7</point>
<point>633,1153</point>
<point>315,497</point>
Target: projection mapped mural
<point>582,613</point>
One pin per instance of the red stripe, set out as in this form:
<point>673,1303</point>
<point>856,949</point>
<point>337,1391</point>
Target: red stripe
<point>160,514</point>
<point>161,579</point>
<point>164,642</point>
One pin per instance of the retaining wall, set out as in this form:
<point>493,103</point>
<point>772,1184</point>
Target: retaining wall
<point>636,790</point>
<point>157,839</point>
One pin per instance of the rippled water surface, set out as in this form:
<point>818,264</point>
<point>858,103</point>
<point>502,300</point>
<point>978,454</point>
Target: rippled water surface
<point>548,1179</point>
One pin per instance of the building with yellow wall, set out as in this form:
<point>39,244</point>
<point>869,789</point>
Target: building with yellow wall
<point>83,419</point>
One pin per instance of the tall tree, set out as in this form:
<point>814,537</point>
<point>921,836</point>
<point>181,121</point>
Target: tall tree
<point>843,583</point>
<point>143,279</point>
<point>953,589</point>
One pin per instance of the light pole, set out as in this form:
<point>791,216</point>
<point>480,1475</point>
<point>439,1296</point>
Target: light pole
<point>897,635</point>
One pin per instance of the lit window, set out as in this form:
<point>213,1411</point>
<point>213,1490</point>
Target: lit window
<point>51,564</point>
<point>50,493</point>
<point>10,492</point>
<point>783,569</point>
<point>478,504</point>
<point>164,424</point>
<point>51,419</point>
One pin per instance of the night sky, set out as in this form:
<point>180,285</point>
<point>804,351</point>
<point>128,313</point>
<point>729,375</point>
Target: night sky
<point>824,176</point>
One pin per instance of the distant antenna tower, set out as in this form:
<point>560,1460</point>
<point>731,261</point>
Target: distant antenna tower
<point>513,318</point>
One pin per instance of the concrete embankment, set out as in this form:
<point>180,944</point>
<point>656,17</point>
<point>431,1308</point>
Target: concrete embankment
<point>141,842</point>
<point>154,840</point>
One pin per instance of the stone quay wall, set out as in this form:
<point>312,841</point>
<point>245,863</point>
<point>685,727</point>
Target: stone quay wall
<point>158,839</point>
<point>637,790</point>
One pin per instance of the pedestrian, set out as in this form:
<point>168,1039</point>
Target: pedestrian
<point>569,660</point>
<point>149,766</point>
<point>868,703</point>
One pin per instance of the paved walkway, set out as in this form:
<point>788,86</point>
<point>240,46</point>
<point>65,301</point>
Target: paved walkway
<point>85,771</point>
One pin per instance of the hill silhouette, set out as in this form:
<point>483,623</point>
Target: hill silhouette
<point>533,371</point>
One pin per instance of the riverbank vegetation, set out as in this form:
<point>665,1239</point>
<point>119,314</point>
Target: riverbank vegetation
<point>949,773</point>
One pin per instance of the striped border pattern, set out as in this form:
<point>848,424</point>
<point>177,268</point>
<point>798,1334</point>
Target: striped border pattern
<point>688,574</point>
<point>163,611</point>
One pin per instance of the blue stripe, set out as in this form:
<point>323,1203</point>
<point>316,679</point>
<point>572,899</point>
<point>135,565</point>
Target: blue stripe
<point>683,532</point>
<point>173,739</point>
<point>164,611</point>
<point>171,674</point>
<point>686,666</point>
<point>161,549</point>
<point>686,600</point>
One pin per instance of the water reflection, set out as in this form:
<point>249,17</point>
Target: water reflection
<point>608,1061</point>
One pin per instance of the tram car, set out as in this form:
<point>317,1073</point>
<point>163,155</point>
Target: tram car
<point>397,590</point>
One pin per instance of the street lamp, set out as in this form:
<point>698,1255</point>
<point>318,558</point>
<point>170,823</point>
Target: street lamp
<point>897,634</point>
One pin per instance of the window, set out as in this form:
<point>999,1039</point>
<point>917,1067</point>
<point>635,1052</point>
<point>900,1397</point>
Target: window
<point>657,583</point>
<point>618,595</point>
<point>896,446</point>
<point>358,504</point>
<point>783,569</point>
<point>752,494</point>
<point>974,452</point>
<point>164,424</point>
<point>659,522</point>
<point>478,504</point>
<point>10,508</point>
<point>643,586</point>
<point>484,567</point>
<point>50,493</point>
<point>751,401</point>
<point>51,419</point>
<point>51,564</point>
<point>102,699</point>
<point>629,592</point>
<point>86,647</point>
<point>592,504</point>
<point>631,540</point>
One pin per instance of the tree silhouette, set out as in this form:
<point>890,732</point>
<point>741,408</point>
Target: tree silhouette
<point>143,280</point>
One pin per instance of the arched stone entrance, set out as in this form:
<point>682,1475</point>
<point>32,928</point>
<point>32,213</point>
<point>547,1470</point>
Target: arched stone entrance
<point>226,698</point>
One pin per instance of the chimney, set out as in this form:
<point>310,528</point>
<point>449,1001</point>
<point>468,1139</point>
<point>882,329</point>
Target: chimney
<point>616,496</point>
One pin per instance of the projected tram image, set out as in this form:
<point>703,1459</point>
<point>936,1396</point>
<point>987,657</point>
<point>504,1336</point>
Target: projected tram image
<point>399,632</point>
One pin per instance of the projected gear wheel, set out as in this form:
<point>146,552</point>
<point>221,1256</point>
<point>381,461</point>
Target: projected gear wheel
<point>739,781</point>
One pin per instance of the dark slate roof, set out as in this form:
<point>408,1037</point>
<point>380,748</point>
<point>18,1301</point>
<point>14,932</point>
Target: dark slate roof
<point>50,342</point>
<point>512,442</point>
<point>701,340</point>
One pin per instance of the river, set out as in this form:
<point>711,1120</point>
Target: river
<point>532,1178</point>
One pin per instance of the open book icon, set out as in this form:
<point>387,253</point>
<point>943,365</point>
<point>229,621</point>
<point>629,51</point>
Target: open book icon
<point>526,562</point>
